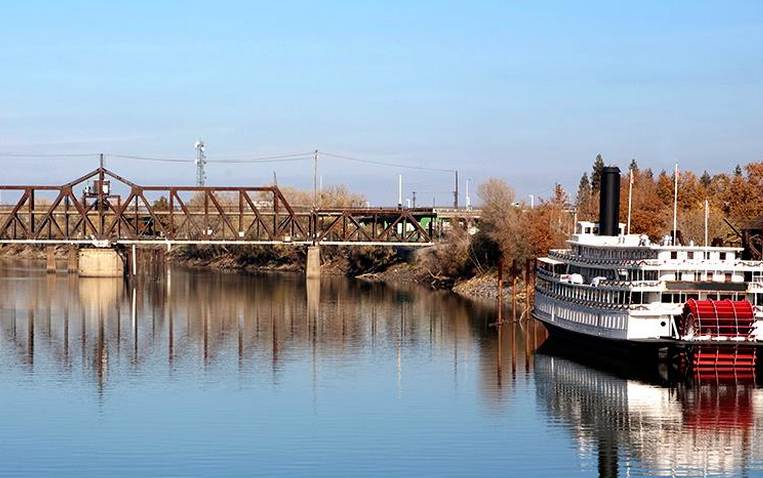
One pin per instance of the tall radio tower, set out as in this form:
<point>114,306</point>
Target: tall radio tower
<point>201,160</point>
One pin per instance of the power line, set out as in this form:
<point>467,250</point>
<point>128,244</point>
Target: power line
<point>276,158</point>
<point>148,158</point>
<point>253,160</point>
<point>261,159</point>
<point>264,157</point>
<point>384,163</point>
<point>49,155</point>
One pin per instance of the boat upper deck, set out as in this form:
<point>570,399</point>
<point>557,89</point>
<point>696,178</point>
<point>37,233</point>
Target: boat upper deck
<point>634,250</point>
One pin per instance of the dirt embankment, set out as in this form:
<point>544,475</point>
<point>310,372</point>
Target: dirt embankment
<point>24,251</point>
<point>485,287</point>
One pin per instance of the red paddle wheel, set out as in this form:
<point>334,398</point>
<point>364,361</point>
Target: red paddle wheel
<point>721,327</point>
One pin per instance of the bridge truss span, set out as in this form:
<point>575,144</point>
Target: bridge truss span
<point>104,208</point>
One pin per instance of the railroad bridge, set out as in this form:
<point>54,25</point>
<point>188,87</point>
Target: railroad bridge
<point>104,210</point>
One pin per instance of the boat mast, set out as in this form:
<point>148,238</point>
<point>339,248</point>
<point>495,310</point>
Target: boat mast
<point>706,218</point>
<point>630,196</point>
<point>675,205</point>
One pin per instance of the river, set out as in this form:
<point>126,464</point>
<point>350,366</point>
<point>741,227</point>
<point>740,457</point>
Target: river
<point>221,374</point>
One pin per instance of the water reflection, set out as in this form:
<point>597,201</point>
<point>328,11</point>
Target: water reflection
<point>107,329</point>
<point>333,377</point>
<point>649,424</point>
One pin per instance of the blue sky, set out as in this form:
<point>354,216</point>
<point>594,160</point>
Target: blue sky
<point>527,91</point>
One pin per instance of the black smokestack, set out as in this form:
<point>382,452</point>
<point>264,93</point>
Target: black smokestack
<point>609,201</point>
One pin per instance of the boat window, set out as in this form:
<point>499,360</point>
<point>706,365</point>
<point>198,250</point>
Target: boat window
<point>727,277</point>
<point>674,254</point>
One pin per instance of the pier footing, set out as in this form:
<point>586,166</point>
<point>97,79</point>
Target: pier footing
<point>313,266</point>
<point>100,263</point>
<point>51,259</point>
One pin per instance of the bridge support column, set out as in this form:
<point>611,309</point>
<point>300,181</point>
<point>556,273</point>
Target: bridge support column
<point>72,262</point>
<point>51,259</point>
<point>100,263</point>
<point>313,266</point>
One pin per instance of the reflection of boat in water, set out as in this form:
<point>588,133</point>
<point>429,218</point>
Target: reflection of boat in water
<point>653,427</point>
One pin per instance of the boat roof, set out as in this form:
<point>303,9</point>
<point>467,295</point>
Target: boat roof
<point>550,261</point>
<point>635,241</point>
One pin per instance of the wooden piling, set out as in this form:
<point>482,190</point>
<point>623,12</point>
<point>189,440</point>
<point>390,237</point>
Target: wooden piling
<point>500,292</point>
<point>514,290</point>
<point>527,285</point>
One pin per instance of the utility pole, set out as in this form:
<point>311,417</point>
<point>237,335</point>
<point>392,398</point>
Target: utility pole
<point>400,191</point>
<point>455,190</point>
<point>201,161</point>
<point>315,179</point>
<point>101,182</point>
<point>414,198</point>
<point>468,199</point>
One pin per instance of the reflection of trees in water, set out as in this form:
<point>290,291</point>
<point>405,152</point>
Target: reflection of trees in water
<point>206,321</point>
<point>669,429</point>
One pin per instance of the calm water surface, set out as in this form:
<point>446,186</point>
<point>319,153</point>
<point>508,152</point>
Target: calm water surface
<point>222,374</point>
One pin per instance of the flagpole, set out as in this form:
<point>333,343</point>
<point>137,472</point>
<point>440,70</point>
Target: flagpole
<point>630,196</point>
<point>675,205</point>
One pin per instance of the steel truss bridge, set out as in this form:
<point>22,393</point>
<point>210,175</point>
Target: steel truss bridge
<point>104,209</point>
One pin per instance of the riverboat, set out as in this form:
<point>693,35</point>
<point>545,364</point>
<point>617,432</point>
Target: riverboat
<point>613,288</point>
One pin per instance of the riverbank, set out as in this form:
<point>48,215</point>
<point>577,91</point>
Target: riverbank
<point>396,267</point>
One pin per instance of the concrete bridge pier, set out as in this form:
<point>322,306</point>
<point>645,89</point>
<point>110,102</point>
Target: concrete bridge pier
<point>72,260</point>
<point>313,266</point>
<point>100,262</point>
<point>50,260</point>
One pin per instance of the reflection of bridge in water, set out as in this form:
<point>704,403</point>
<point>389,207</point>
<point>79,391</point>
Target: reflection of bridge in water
<point>103,330</point>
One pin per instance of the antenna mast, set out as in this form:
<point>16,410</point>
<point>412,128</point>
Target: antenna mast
<point>201,161</point>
